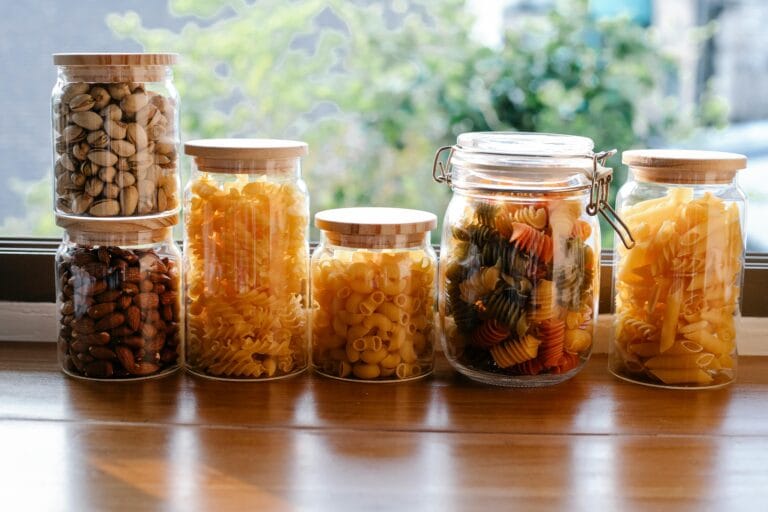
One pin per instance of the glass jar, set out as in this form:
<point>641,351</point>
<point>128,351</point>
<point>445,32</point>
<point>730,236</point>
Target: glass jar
<point>677,292</point>
<point>519,259</point>
<point>115,120</point>
<point>118,295</point>
<point>246,256</point>
<point>373,291</point>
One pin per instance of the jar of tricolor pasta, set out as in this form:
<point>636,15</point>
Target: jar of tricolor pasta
<point>246,257</point>
<point>373,291</point>
<point>520,254</point>
<point>118,295</point>
<point>677,292</point>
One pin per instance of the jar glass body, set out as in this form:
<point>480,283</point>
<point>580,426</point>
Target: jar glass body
<point>677,292</point>
<point>119,306</point>
<point>519,262</point>
<point>374,311</point>
<point>246,256</point>
<point>115,141</point>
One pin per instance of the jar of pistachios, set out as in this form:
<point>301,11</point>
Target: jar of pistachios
<point>115,135</point>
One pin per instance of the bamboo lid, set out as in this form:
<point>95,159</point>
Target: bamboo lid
<point>245,155</point>
<point>118,230</point>
<point>375,221</point>
<point>115,59</point>
<point>684,166</point>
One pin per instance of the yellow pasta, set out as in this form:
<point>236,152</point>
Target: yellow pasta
<point>247,278</point>
<point>677,290</point>
<point>387,319</point>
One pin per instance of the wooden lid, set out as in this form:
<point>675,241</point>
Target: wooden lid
<point>118,230</point>
<point>245,155</point>
<point>115,59</point>
<point>684,166</point>
<point>373,221</point>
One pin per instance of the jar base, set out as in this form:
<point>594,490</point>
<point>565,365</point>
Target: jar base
<point>166,372</point>
<point>517,381</point>
<point>371,381</point>
<point>692,387</point>
<point>198,373</point>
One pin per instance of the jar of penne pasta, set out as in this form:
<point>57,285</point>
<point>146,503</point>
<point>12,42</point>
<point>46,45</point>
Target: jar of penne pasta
<point>373,291</point>
<point>118,286</point>
<point>677,293</point>
<point>115,135</point>
<point>246,257</point>
<point>520,253</point>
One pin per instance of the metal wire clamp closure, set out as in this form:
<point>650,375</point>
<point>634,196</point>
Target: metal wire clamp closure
<point>598,198</point>
<point>441,172</point>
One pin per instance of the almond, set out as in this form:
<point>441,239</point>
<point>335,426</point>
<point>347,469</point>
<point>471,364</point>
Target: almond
<point>147,300</point>
<point>133,317</point>
<point>110,321</point>
<point>101,310</point>
<point>125,356</point>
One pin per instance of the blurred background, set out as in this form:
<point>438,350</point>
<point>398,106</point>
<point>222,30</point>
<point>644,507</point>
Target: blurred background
<point>376,86</point>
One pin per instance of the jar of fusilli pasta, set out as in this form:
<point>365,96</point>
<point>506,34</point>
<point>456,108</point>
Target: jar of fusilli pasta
<point>246,256</point>
<point>519,259</point>
<point>118,294</point>
<point>373,290</point>
<point>677,292</point>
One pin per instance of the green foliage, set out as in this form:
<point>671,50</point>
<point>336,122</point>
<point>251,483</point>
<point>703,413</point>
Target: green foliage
<point>376,87</point>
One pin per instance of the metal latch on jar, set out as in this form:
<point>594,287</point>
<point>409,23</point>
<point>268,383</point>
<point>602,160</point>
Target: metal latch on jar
<point>598,198</point>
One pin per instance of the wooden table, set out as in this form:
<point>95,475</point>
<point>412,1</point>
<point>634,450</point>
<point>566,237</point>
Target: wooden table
<point>308,443</point>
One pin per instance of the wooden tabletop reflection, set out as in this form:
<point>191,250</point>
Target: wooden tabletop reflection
<point>309,443</point>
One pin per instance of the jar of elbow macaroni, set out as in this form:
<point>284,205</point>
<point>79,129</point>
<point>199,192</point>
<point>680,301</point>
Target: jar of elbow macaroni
<point>520,255</point>
<point>246,257</point>
<point>118,295</point>
<point>677,292</point>
<point>373,291</point>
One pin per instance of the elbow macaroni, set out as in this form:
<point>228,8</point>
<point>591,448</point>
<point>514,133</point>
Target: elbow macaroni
<point>387,321</point>
<point>677,291</point>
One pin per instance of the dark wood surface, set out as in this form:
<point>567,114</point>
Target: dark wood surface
<point>309,443</point>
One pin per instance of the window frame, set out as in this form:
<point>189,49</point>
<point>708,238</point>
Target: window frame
<point>27,275</point>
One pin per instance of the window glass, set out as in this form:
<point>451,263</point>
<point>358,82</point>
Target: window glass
<point>375,87</point>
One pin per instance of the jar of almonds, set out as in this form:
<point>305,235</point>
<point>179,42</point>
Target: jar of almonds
<point>115,135</point>
<point>118,298</point>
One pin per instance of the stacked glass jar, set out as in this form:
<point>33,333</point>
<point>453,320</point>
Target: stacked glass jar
<point>116,194</point>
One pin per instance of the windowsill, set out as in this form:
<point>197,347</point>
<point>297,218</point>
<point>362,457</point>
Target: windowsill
<point>313,443</point>
<point>35,321</point>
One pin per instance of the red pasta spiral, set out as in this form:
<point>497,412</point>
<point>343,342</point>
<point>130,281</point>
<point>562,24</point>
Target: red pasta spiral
<point>532,241</point>
<point>552,335</point>
<point>490,333</point>
<point>531,367</point>
<point>567,363</point>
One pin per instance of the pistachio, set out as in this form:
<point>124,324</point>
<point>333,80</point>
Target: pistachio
<point>146,196</point>
<point>64,204</point>
<point>60,108</point>
<point>122,148</point>
<point>72,90</point>
<point>137,135</point>
<point>105,208</point>
<point>134,102</point>
<point>93,187</point>
<point>80,151</point>
<point>89,168</point>
<point>162,201</point>
<point>123,165</point>
<point>60,123</point>
<point>112,112</point>
<point>64,184</point>
<point>125,179</point>
<point>141,160</point>
<point>60,145</point>
<point>115,129</point>
<point>155,132</point>
<point>67,162</point>
<point>129,199</point>
<point>161,159</point>
<point>146,114</point>
<point>81,203</point>
<point>98,139</point>
<point>81,103</point>
<point>73,133</point>
<point>119,91</point>
<point>88,120</point>
<point>107,174</point>
<point>111,191</point>
<point>100,97</point>
<point>102,157</point>
<point>77,179</point>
